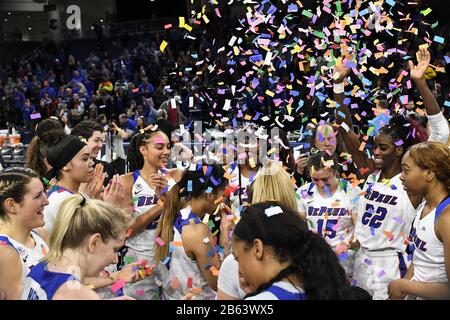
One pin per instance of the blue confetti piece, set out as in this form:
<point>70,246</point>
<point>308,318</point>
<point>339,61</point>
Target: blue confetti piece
<point>256,58</point>
<point>343,256</point>
<point>391,3</point>
<point>447,103</point>
<point>189,186</point>
<point>292,8</point>
<point>166,260</point>
<point>438,39</point>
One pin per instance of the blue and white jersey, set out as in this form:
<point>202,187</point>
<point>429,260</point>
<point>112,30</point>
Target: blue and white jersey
<point>182,269</point>
<point>239,196</point>
<point>144,198</point>
<point>280,290</point>
<point>28,256</point>
<point>330,216</point>
<point>429,255</point>
<point>42,284</point>
<point>55,196</point>
<point>385,216</point>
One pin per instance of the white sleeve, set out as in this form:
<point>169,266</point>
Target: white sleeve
<point>263,296</point>
<point>51,210</point>
<point>356,194</point>
<point>228,281</point>
<point>439,128</point>
<point>302,207</point>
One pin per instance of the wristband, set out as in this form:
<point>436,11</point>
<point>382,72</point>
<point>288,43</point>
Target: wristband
<point>339,87</point>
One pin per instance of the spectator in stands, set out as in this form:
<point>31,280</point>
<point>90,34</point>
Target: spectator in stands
<point>50,90</point>
<point>130,126</point>
<point>93,133</point>
<point>163,124</point>
<point>27,110</point>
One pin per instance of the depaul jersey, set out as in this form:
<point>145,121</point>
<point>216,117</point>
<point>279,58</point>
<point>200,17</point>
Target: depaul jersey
<point>55,195</point>
<point>28,256</point>
<point>385,215</point>
<point>281,290</point>
<point>239,196</point>
<point>42,284</point>
<point>429,257</point>
<point>184,271</point>
<point>144,198</point>
<point>330,216</point>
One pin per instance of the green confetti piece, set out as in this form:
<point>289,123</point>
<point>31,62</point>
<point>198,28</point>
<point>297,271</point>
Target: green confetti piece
<point>308,14</point>
<point>338,6</point>
<point>396,91</point>
<point>128,260</point>
<point>426,12</point>
<point>434,25</point>
<point>331,64</point>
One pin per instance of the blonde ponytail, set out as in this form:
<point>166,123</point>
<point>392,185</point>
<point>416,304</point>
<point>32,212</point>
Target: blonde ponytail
<point>78,218</point>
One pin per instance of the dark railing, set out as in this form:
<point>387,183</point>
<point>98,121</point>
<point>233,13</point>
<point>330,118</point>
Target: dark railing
<point>143,26</point>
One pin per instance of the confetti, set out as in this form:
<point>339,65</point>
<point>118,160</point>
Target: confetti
<point>163,46</point>
<point>159,241</point>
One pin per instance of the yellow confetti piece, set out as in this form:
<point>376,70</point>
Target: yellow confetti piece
<point>362,146</point>
<point>187,27</point>
<point>163,46</point>
<point>252,162</point>
<point>181,22</point>
<point>205,18</point>
<point>270,93</point>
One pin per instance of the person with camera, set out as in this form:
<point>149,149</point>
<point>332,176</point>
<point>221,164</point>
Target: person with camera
<point>115,152</point>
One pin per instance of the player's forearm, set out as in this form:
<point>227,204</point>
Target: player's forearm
<point>145,219</point>
<point>430,103</point>
<point>429,290</point>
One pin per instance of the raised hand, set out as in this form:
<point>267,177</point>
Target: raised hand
<point>158,182</point>
<point>94,188</point>
<point>114,193</point>
<point>424,58</point>
<point>300,164</point>
<point>340,72</point>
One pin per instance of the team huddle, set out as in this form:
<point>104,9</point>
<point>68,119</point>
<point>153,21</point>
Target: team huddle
<point>282,228</point>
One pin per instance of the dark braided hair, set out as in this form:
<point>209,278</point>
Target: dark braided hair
<point>134,157</point>
<point>312,259</point>
<point>408,131</point>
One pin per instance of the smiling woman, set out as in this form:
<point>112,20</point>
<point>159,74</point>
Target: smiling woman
<point>145,187</point>
<point>426,170</point>
<point>85,239</point>
<point>22,200</point>
<point>72,165</point>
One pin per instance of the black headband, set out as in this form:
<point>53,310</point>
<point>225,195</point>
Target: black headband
<point>60,154</point>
